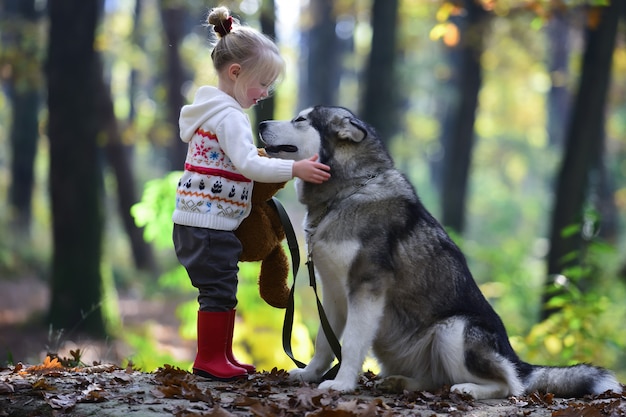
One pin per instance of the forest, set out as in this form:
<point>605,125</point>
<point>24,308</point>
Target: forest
<point>509,117</point>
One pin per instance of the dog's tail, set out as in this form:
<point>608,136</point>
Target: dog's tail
<point>572,381</point>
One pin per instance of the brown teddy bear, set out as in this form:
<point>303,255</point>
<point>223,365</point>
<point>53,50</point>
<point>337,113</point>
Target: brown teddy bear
<point>261,234</point>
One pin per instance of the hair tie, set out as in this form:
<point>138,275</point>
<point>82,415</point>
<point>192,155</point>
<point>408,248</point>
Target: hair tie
<point>225,26</point>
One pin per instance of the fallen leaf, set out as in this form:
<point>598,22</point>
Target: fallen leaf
<point>6,388</point>
<point>122,377</point>
<point>20,383</point>
<point>265,410</point>
<point>48,367</point>
<point>63,402</point>
<point>245,401</point>
<point>43,385</point>
<point>304,397</point>
<point>105,367</point>
<point>93,394</point>
<point>327,412</point>
<point>351,405</point>
<point>219,412</point>
<point>583,411</point>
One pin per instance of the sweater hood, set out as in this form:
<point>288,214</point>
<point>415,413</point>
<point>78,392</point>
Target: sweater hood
<point>207,102</point>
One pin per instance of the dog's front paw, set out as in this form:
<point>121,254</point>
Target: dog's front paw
<point>303,375</point>
<point>482,391</point>
<point>467,389</point>
<point>338,385</point>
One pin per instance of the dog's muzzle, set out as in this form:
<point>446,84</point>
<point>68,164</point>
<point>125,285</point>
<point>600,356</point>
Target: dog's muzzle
<point>281,148</point>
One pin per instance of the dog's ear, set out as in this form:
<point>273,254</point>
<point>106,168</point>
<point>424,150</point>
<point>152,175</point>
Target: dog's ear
<point>349,128</point>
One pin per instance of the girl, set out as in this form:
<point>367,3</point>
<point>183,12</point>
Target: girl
<point>213,195</point>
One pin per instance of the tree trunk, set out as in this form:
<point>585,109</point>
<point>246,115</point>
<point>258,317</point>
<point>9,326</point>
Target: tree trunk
<point>559,97</point>
<point>265,109</point>
<point>24,135</point>
<point>585,137</point>
<point>321,72</point>
<point>604,201</point>
<point>458,126</point>
<point>379,99</point>
<point>23,89</point>
<point>173,17</point>
<point>75,175</point>
<point>137,41</point>
<point>118,157</point>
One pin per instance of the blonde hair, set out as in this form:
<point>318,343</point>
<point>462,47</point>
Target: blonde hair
<point>257,54</point>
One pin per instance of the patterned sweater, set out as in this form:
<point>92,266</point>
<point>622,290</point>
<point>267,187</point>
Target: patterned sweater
<point>221,164</point>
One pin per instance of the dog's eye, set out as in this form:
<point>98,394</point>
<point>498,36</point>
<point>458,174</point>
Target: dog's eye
<point>299,119</point>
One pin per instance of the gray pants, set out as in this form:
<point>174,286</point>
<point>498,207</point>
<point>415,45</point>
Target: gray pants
<point>210,258</point>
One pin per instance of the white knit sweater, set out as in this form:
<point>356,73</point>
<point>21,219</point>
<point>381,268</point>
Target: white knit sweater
<point>222,163</point>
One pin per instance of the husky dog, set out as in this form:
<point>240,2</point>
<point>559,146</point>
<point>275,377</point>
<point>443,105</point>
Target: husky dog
<point>393,281</point>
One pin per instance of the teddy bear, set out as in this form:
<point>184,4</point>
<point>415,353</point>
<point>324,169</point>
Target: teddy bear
<point>261,234</point>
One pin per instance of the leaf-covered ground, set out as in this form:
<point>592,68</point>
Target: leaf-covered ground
<point>55,389</point>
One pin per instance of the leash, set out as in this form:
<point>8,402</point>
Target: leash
<point>294,250</point>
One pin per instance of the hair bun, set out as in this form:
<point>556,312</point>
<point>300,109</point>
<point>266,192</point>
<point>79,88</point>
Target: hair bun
<point>221,20</point>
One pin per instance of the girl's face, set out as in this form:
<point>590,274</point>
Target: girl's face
<point>248,89</point>
<point>255,91</point>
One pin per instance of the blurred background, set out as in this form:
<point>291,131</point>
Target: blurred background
<point>509,116</point>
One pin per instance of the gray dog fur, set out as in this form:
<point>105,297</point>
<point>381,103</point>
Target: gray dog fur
<point>394,281</point>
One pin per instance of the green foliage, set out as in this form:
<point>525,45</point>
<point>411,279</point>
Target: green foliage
<point>509,277</point>
<point>583,326</point>
<point>109,303</point>
<point>148,355</point>
<point>154,211</point>
<point>587,298</point>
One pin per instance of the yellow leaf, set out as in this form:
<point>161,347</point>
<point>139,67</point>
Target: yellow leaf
<point>553,344</point>
<point>52,363</point>
<point>452,35</point>
<point>437,31</point>
<point>448,31</point>
<point>444,11</point>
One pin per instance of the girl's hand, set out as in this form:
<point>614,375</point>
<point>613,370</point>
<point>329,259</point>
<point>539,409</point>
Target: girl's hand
<point>310,170</point>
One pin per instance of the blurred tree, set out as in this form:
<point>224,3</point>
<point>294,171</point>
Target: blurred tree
<point>321,71</point>
<point>75,169</point>
<point>23,86</point>
<point>380,104</point>
<point>118,156</point>
<point>137,41</point>
<point>267,19</point>
<point>173,14</point>
<point>584,144</point>
<point>464,51</point>
<point>558,29</point>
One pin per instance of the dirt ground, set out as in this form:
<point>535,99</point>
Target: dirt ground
<point>35,387</point>
<point>51,389</point>
<point>22,339</point>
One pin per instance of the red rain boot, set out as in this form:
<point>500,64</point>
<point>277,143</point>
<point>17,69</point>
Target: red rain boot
<point>229,347</point>
<point>215,331</point>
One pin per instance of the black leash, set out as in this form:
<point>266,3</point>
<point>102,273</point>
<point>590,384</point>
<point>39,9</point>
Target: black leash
<point>294,249</point>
